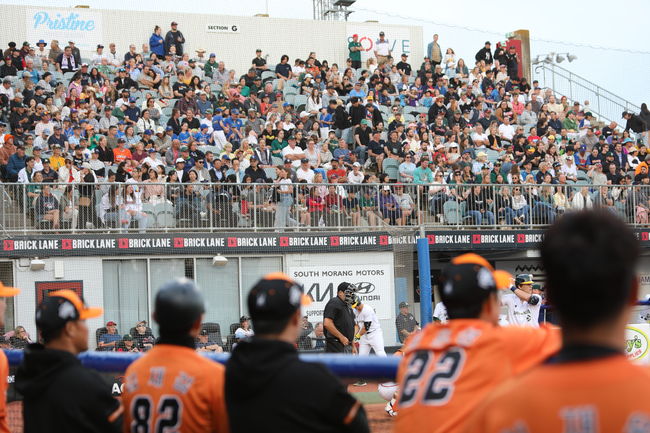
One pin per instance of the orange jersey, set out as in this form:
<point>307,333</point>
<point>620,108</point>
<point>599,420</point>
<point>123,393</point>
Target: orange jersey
<point>600,395</point>
<point>172,388</point>
<point>4,372</point>
<point>120,155</point>
<point>448,369</point>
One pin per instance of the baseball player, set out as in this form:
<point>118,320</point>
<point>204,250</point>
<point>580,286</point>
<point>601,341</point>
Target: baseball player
<point>590,260</point>
<point>173,388</point>
<point>448,369</point>
<point>523,305</point>
<point>5,292</point>
<point>367,329</point>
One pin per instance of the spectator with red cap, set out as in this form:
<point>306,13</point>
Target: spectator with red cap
<point>108,341</point>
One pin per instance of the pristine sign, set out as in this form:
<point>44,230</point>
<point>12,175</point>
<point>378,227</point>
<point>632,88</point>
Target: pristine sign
<point>79,25</point>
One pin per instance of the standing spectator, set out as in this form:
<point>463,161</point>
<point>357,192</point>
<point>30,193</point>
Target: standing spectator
<point>157,43</point>
<point>59,393</point>
<point>290,395</point>
<point>382,49</point>
<point>512,63</point>
<point>174,38</point>
<point>354,47</point>
<point>434,52</point>
<point>108,341</point>
<point>484,54</point>
<point>405,322</point>
<point>259,62</point>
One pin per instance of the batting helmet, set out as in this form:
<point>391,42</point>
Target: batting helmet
<point>178,305</point>
<point>523,279</point>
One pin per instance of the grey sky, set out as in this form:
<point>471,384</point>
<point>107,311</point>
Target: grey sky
<point>594,23</point>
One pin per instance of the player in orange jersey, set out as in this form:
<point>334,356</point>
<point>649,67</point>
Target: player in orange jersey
<point>172,388</point>
<point>5,292</point>
<point>590,261</point>
<point>448,369</point>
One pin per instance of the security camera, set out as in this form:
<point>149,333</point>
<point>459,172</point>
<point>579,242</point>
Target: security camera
<point>219,260</point>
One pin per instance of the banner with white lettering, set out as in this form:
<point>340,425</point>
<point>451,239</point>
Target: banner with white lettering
<point>82,26</point>
<point>266,243</point>
<point>399,40</point>
<point>374,283</point>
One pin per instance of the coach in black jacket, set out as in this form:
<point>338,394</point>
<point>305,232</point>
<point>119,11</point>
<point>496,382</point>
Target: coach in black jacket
<point>60,395</point>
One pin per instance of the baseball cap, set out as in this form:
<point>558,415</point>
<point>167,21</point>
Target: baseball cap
<point>179,160</point>
<point>403,304</point>
<point>287,161</point>
<point>275,297</point>
<point>304,160</point>
<point>204,332</point>
<point>469,279</point>
<point>111,323</point>
<point>62,306</point>
<point>127,337</point>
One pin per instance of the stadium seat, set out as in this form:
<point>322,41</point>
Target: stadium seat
<point>214,332</point>
<point>390,167</point>
<point>277,161</point>
<point>165,215</point>
<point>299,102</point>
<point>267,75</point>
<point>270,173</point>
<point>492,155</point>
<point>451,212</point>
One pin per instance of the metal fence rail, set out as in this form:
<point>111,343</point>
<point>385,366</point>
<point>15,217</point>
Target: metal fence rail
<point>603,103</point>
<point>163,207</point>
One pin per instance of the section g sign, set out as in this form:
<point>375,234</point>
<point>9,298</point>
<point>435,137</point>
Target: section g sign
<point>636,343</point>
<point>82,26</point>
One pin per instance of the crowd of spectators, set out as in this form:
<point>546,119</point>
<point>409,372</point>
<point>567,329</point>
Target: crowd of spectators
<point>226,149</point>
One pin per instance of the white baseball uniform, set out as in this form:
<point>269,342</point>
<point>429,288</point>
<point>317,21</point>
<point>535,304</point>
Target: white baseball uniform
<point>373,338</point>
<point>520,312</point>
<point>440,312</point>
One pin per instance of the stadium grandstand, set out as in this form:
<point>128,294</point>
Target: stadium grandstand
<point>124,164</point>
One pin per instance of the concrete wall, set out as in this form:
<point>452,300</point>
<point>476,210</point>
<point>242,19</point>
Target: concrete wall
<point>275,36</point>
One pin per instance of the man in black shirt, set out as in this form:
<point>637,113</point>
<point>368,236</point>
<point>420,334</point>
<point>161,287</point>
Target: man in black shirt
<point>259,62</point>
<point>257,174</point>
<point>59,393</point>
<point>403,66</point>
<point>338,320</point>
<point>265,373</point>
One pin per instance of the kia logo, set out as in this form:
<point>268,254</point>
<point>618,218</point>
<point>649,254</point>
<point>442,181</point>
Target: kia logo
<point>365,288</point>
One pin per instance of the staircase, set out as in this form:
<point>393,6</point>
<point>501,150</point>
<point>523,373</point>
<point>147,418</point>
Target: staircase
<point>603,104</point>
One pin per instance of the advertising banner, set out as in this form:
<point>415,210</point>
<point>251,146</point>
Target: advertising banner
<point>637,342</point>
<point>80,25</point>
<point>99,244</point>
<point>399,40</point>
<point>374,284</point>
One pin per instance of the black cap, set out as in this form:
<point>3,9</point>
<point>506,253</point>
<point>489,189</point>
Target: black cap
<point>469,279</point>
<point>276,297</point>
<point>403,304</point>
<point>60,307</point>
<point>127,337</point>
<point>204,332</point>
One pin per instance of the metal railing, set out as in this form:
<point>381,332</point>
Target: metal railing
<point>164,207</point>
<point>602,103</point>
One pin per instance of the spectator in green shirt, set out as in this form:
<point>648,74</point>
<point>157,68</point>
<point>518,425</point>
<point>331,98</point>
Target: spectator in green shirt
<point>570,123</point>
<point>211,65</point>
<point>355,51</point>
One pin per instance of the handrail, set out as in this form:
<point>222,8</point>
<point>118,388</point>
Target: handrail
<point>216,207</point>
<point>603,103</point>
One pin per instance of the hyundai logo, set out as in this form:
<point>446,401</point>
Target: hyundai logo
<point>365,288</point>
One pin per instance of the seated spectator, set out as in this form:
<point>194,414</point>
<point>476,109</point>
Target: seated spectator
<point>127,344</point>
<point>317,337</point>
<point>20,339</point>
<point>108,341</point>
<point>204,344</point>
<point>244,330</point>
<point>143,336</point>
